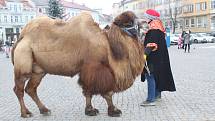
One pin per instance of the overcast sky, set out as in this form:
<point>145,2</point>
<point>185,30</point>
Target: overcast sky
<point>105,5</point>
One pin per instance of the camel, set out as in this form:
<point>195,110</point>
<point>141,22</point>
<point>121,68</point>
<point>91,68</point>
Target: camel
<point>107,61</point>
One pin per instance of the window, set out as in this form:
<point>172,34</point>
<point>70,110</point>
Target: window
<point>198,7</point>
<point>40,10</point>
<point>5,18</point>
<point>213,4</point>
<point>20,8</point>
<point>187,23</point>
<point>11,7</point>
<point>20,18</point>
<point>26,18</point>
<point>199,21</point>
<point>188,9</point>
<point>16,18</point>
<point>15,8</point>
<point>181,24</point>
<point>179,10</point>
<point>202,21</point>
<point>203,6</point>
<point>192,22</point>
<point>205,21</point>
<point>17,30</point>
<point>213,22</point>
<point>159,2</point>
<point>11,19</point>
<point>166,23</point>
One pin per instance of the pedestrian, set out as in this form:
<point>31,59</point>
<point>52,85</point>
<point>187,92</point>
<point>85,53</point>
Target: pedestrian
<point>7,48</point>
<point>187,42</point>
<point>1,45</point>
<point>180,42</point>
<point>157,71</point>
<point>182,37</point>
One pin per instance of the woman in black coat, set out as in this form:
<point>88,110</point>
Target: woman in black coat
<point>158,71</point>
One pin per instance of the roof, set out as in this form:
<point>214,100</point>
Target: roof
<point>2,3</point>
<point>12,0</point>
<point>41,2</point>
<point>26,3</point>
<point>74,5</point>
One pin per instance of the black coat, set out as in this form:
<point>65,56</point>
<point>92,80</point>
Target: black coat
<point>158,61</point>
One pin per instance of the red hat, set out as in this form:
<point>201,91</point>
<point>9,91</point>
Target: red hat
<point>151,14</point>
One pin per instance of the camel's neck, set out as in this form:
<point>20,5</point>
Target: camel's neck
<point>126,58</point>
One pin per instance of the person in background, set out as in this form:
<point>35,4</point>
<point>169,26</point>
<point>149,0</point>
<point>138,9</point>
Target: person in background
<point>180,42</point>
<point>182,38</point>
<point>187,42</point>
<point>157,69</point>
<point>7,48</point>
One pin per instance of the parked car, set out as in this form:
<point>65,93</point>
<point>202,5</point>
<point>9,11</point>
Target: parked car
<point>197,38</point>
<point>208,37</point>
<point>174,39</point>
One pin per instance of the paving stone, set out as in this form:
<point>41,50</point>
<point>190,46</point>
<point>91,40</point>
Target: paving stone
<point>193,101</point>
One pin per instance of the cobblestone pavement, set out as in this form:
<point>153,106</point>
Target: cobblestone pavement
<point>194,100</point>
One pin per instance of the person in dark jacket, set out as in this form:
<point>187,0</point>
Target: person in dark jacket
<point>157,69</point>
<point>187,41</point>
<point>182,37</point>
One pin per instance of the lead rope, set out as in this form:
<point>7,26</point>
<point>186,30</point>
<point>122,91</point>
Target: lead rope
<point>147,68</point>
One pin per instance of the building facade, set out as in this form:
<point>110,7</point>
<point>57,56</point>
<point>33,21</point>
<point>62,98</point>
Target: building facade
<point>14,15</point>
<point>71,9</point>
<point>179,15</point>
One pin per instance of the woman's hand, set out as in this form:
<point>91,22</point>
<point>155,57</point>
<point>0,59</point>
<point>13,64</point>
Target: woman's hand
<point>154,46</point>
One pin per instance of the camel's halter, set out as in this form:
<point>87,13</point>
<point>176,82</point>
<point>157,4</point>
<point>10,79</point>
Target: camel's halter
<point>131,29</point>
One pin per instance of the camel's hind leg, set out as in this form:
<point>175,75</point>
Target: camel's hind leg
<point>31,89</point>
<point>19,91</point>
<point>22,71</point>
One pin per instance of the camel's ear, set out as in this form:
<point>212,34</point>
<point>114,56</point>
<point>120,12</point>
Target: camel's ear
<point>115,38</point>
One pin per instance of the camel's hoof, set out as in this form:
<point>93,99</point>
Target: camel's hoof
<point>27,115</point>
<point>114,112</point>
<point>91,111</point>
<point>45,112</point>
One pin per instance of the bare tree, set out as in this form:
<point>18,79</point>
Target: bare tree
<point>174,10</point>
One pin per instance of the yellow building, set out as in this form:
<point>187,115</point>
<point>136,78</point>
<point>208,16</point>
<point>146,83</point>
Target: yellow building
<point>193,15</point>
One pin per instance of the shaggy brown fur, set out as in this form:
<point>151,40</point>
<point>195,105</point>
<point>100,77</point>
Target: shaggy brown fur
<point>107,61</point>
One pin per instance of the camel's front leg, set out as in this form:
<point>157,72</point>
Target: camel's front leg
<point>112,110</point>
<point>89,110</point>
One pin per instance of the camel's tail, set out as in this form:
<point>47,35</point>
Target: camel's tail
<point>14,47</point>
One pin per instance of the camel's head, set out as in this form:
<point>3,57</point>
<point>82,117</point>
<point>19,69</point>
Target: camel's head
<point>129,23</point>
